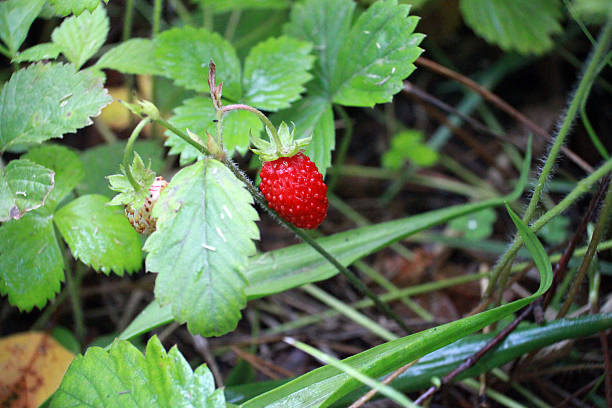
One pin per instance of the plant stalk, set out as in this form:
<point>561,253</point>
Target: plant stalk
<point>129,148</point>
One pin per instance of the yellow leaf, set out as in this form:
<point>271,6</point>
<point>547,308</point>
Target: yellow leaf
<point>32,365</point>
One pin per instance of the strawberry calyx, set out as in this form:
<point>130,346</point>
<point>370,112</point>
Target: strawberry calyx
<point>281,143</point>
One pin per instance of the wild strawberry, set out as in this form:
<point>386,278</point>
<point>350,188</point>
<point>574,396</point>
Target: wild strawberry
<point>290,182</point>
<point>141,217</point>
<point>295,189</point>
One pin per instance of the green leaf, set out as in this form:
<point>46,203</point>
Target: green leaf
<point>105,159</point>
<point>325,385</point>
<point>326,25</point>
<point>184,53</point>
<point>68,168</point>
<point>521,25</point>
<point>99,236</point>
<point>555,231</point>
<point>135,56</point>
<point>376,56</point>
<point>65,7</point>
<point>275,71</point>
<point>197,115</point>
<point>475,226</point>
<point>80,37</point>
<point>222,6</point>
<point>141,174</point>
<point>24,186</point>
<point>593,11</point>
<point>44,101</point>
<point>313,116</point>
<point>16,17</point>
<point>123,377</point>
<point>409,145</point>
<point>31,263</point>
<point>38,52</point>
<point>205,228</point>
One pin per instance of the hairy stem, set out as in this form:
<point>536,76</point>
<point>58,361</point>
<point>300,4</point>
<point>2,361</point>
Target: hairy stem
<point>129,148</point>
<point>259,114</point>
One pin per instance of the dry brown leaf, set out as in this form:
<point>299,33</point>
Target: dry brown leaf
<point>32,366</point>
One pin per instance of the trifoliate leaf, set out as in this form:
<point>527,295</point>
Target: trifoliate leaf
<point>24,186</point>
<point>184,53</point>
<point>222,6</point>
<point>409,145</point>
<point>525,26</point>
<point>38,52</point>
<point>313,117</point>
<point>31,263</point>
<point>99,235</point>
<point>16,17</point>
<point>65,7</point>
<point>123,377</point>
<point>475,226</point>
<point>326,25</point>
<point>135,56</point>
<point>376,56</point>
<point>143,176</point>
<point>205,228</point>
<point>105,160</point>
<point>197,115</point>
<point>275,71</point>
<point>68,168</point>
<point>80,37</point>
<point>555,231</point>
<point>44,101</point>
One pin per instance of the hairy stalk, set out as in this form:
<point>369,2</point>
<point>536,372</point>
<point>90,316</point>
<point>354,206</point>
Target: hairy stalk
<point>501,269</point>
<point>127,153</point>
<point>598,233</point>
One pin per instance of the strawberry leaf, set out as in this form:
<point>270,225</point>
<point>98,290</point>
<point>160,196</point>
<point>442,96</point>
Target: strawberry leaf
<point>123,377</point>
<point>205,228</point>
<point>275,71</point>
<point>68,168</point>
<point>326,25</point>
<point>24,186</point>
<point>16,17</point>
<point>183,55</point>
<point>313,116</point>
<point>80,37</point>
<point>521,25</point>
<point>38,52</point>
<point>44,101</point>
<point>376,56</point>
<point>31,263</point>
<point>65,7</point>
<point>98,235</point>
<point>135,56</point>
<point>197,115</point>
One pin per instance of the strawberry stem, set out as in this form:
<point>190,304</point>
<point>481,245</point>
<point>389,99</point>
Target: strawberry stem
<point>129,148</point>
<point>259,114</point>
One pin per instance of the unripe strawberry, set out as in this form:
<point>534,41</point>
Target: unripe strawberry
<point>141,218</point>
<point>295,189</point>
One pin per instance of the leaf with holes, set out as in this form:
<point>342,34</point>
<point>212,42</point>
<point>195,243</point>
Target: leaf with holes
<point>123,377</point>
<point>24,186</point>
<point>44,101</point>
<point>31,263</point>
<point>377,55</point>
<point>183,55</point>
<point>525,26</point>
<point>275,71</point>
<point>80,37</point>
<point>205,228</point>
<point>99,235</point>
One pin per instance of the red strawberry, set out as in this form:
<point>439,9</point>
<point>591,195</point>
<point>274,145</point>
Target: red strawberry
<point>141,218</point>
<point>295,189</point>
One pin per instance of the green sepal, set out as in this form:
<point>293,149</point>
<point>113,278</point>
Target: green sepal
<point>144,177</point>
<point>285,146</point>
